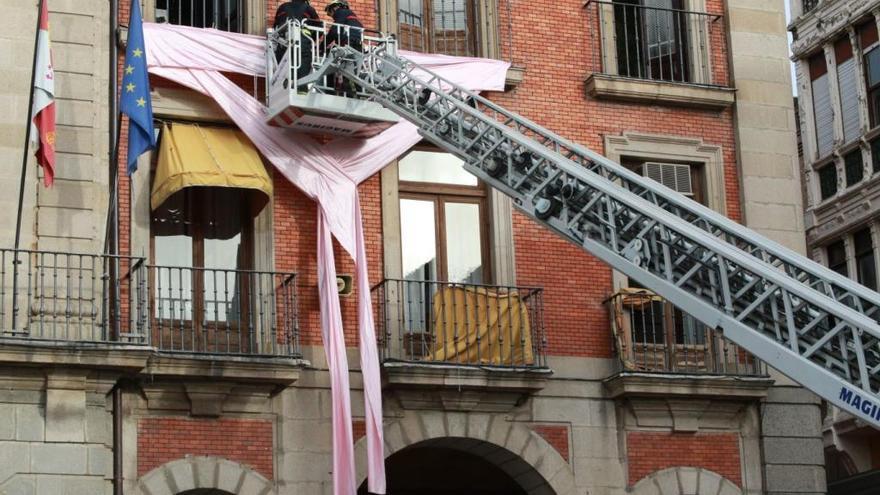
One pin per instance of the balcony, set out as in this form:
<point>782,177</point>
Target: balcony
<point>458,324</point>
<point>474,347</point>
<point>653,336</point>
<point>656,55</point>
<point>67,299</point>
<point>664,353</point>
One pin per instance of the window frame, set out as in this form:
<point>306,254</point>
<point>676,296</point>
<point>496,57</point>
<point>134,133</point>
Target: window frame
<point>834,265</point>
<point>862,252</point>
<point>853,174</point>
<point>680,72</point>
<point>672,317</point>
<point>253,17</point>
<point>441,194</point>
<point>428,39</point>
<point>196,196</point>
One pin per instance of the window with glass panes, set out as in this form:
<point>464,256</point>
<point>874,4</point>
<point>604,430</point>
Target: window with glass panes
<point>442,219</point>
<point>828,180</point>
<point>438,26</point>
<point>836,253</point>
<point>650,324</point>
<point>871,49</point>
<point>866,270</point>
<point>225,15</point>
<point>853,167</point>
<point>875,155</point>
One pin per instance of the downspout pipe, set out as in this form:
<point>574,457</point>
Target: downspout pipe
<point>112,236</point>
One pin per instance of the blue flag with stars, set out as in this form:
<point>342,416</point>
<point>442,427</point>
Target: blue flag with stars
<point>135,100</point>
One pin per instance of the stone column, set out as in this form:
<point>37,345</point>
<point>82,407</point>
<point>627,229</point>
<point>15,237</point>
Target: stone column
<point>772,205</point>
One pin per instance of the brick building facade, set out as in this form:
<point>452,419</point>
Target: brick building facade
<point>614,390</point>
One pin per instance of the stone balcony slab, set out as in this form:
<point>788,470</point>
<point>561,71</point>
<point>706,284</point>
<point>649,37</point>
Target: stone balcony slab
<point>612,87</point>
<point>461,388</point>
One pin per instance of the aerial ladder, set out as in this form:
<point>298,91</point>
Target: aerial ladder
<point>812,324</point>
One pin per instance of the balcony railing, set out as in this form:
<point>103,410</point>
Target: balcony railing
<point>55,296</point>
<point>78,298</point>
<point>653,336</point>
<point>656,43</point>
<point>216,311</point>
<point>461,324</point>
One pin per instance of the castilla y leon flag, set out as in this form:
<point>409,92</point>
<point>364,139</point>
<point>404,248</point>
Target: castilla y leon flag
<point>43,131</point>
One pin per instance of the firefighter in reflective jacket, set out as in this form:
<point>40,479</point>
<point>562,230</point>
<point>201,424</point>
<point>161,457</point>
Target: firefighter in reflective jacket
<point>300,10</point>
<point>346,30</point>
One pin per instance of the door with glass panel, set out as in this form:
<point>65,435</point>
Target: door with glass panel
<point>201,240</point>
<point>443,238</point>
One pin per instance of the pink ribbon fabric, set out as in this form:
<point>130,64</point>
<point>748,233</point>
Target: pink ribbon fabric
<point>328,174</point>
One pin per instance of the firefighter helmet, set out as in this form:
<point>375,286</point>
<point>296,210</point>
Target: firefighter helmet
<point>335,4</point>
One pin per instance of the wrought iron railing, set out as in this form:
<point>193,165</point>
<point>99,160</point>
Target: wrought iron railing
<point>216,311</point>
<point>657,43</point>
<point>226,15</point>
<point>56,296</point>
<point>653,336</point>
<point>462,324</point>
<point>78,298</point>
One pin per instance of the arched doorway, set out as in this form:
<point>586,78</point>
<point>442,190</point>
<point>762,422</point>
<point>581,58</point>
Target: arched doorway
<point>460,466</point>
<point>205,491</point>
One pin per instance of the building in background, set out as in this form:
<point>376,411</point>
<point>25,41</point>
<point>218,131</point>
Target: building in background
<point>193,362</point>
<point>837,55</point>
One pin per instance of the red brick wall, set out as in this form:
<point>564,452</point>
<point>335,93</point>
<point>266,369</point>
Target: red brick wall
<point>557,54</point>
<point>553,95</point>
<point>650,452</point>
<point>556,436</point>
<point>164,439</point>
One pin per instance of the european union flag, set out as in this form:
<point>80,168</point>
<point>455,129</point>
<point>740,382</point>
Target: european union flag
<point>135,100</point>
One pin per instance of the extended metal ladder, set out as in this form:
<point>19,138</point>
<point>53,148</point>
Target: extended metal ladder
<point>817,327</point>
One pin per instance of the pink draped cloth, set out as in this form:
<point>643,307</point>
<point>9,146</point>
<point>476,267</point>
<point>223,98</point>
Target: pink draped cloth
<point>328,174</point>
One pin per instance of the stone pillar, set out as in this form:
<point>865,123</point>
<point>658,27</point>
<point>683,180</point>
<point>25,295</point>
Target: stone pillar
<point>791,439</point>
<point>772,205</point>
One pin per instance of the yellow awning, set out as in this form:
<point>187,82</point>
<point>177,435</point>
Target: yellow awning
<point>195,156</point>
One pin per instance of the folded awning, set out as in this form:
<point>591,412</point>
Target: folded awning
<point>196,156</point>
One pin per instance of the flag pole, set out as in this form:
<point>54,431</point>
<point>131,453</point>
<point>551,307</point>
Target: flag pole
<point>24,160</point>
<point>27,141</point>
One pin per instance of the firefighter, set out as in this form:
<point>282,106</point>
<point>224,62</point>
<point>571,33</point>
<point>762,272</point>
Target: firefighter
<point>300,10</point>
<point>346,30</point>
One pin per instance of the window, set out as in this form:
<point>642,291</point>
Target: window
<point>226,15</point>
<point>809,5</point>
<point>828,180</point>
<point>649,323</point>
<point>836,252</point>
<point>824,115</point>
<point>201,227</point>
<point>442,220</point>
<point>864,250</point>
<point>871,49</point>
<point>652,39</point>
<point>852,165</point>
<point>875,155</point>
<point>847,82</point>
<point>442,231</point>
<point>438,26</point>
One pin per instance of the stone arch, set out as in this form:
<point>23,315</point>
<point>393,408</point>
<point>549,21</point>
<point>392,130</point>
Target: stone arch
<point>686,481</point>
<point>204,475</point>
<point>499,441</point>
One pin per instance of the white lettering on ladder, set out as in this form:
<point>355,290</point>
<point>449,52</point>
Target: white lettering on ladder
<point>856,401</point>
